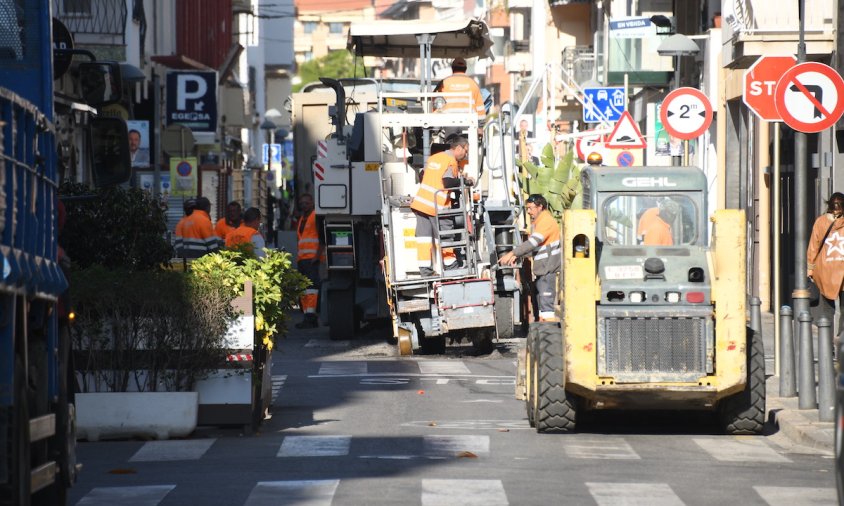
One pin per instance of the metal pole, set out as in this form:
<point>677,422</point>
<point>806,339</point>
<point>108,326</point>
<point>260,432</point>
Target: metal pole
<point>156,129</point>
<point>826,375</point>
<point>776,227</point>
<point>756,314</point>
<point>801,190</point>
<point>788,383</point>
<point>806,368</point>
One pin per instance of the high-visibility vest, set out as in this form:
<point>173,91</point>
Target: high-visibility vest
<point>442,164</point>
<point>240,235</point>
<point>461,83</point>
<point>222,228</point>
<point>546,237</point>
<point>308,238</point>
<point>195,235</point>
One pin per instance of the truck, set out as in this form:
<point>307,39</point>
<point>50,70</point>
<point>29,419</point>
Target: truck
<point>365,174</point>
<point>37,435</point>
<point>652,307</point>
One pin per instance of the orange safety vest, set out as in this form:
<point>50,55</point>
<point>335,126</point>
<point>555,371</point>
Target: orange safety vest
<point>196,226</point>
<point>308,238</point>
<point>222,228</point>
<point>461,83</point>
<point>240,235</point>
<point>440,165</point>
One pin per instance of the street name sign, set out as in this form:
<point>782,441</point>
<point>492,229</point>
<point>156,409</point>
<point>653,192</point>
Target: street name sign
<point>686,113</point>
<point>810,97</point>
<point>760,83</point>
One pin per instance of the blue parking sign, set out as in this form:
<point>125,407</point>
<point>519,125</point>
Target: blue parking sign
<point>603,104</point>
<point>275,151</point>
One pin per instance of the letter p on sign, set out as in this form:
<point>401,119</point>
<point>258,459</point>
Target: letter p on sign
<point>760,81</point>
<point>189,87</point>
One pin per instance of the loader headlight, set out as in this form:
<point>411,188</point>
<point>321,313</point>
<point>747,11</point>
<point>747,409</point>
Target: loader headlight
<point>637,297</point>
<point>672,297</point>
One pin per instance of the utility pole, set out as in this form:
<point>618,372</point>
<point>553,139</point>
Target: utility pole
<point>801,188</point>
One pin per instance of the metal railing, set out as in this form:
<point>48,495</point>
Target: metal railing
<point>95,17</point>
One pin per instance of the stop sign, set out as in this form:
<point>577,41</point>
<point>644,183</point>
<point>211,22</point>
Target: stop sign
<point>760,82</point>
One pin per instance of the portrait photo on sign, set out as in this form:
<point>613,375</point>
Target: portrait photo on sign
<point>138,143</point>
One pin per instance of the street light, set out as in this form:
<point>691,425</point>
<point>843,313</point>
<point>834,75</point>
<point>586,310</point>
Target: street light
<point>677,45</point>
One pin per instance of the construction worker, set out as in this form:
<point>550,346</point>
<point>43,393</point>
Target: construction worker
<point>248,233</point>
<point>194,233</point>
<point>655,224</point>
<point>459,82</point>
<point>308,260</point>
<point>441,172</point>
<point>229,222</point>
<point>544,243</point>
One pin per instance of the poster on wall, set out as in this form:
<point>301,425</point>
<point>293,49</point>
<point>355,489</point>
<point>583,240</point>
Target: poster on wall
<point>183,176</point>
<point>146,181</point>
<point>138,143</point>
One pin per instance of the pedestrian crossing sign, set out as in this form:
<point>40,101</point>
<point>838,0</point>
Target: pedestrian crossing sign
<point>603,105</point>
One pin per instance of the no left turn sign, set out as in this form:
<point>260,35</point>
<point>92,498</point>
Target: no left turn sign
<point>686,113</point>
<point>810,97</point>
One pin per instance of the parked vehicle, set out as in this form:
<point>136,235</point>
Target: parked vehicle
<point>37,438</point>
<point>652,308</point>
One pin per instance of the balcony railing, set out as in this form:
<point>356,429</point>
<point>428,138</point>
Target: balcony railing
<point>578,63</point>
<point>95,17</point>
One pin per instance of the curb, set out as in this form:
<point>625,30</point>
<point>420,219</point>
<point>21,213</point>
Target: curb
<point>801,426</point>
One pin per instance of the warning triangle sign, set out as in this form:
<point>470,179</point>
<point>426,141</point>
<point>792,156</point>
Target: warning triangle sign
<point>626,134</point>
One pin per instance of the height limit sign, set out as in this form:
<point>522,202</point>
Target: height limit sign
<point>686,113</point>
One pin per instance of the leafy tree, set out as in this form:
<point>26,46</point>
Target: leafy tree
<point>336,65</point>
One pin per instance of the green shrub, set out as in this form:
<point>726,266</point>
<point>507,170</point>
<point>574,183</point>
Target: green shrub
<point>277,285</point>
<point>114,227</point>
<point>556,180</point>
<point>147,331</point>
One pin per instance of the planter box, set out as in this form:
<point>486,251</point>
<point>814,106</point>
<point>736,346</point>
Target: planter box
<point>160,415</point>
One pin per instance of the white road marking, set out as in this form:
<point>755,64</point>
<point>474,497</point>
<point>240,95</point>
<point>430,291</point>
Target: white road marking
<point>793,496</point>
<point>471,424</point>
<point>740,449</point>
<point>299,493</point>
<point>278,382</point>
<point>314,446</point>
<point>452,446</point>
<point>322,343</point>
<point>463,493</point>
<point>609,448</point>
<point>443,367</point>
<point>149,495</point>
<point>159,451</point>
<point>478,401</point>
<point>344,368</point>
<point>633,494</point>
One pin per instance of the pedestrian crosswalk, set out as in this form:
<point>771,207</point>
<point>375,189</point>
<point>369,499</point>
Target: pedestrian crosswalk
<point>463,491</point>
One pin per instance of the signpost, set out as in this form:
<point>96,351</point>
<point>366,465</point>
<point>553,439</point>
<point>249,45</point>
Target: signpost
<point>760,82</point>
<point>810,97</point>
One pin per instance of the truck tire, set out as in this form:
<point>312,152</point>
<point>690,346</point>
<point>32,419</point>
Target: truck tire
<point>17,492</point>
<point>341,314</point>
<point>556,408</point>
<point>531,376</point>
<point>482,341</point>
<point>744,413</point>
<point>504,317</point>
<point>432,345</point>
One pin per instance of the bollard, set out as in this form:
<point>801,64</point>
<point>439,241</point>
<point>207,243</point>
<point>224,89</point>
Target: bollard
<point>788,381</point>
<point>826,376</point>
<point>756,314</point>
<point>806,367</point>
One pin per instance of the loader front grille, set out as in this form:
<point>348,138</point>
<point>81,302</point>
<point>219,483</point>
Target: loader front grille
<point>655,348</point>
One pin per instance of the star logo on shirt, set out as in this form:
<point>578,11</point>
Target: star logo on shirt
<point>835,243</point>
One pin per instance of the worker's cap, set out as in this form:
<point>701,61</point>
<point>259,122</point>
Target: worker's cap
<point>189,204</point>
<point>458,62</point>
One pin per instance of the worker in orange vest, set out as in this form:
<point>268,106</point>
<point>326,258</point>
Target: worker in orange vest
<point>308,259</point>
<point>459,82</point>
<point>194,233</point>
<point>441,172</point>
<point>655,224</point>
<point>248,232</point>
<point>229,222</point>
<point>544,244</point>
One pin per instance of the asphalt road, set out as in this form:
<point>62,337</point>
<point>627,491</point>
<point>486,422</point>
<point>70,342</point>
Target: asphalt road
<point>352,424</point>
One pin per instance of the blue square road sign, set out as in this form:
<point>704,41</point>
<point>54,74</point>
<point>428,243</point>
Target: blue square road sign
<point>603,104</point>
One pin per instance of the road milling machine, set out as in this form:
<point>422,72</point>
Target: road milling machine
<point>365,174</point>
<point>652,311</point>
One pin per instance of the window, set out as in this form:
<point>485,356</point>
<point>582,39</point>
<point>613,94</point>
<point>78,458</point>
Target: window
<point>651,220</point>
<point>335,28</point>
<point>76,7</point>
<point>309,26</point>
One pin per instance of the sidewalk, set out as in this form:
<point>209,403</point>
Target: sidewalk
<point>799,425</point>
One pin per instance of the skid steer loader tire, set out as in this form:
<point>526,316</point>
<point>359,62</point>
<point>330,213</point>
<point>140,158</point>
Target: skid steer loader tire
<point>530,376</point>
<point>556,408</point>
<point>744,413</point>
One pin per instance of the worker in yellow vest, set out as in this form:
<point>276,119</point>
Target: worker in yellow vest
<point>308,260</point>
<point>544,243</point>
<point>441,172</point>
